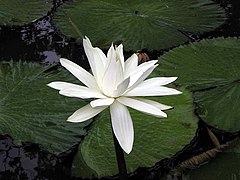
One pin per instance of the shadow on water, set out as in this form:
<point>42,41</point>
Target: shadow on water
<point>40,42</point>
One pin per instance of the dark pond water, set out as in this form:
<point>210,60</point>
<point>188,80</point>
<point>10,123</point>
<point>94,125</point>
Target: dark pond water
<point>40,42</point>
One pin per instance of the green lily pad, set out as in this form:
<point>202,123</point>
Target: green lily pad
<point>211,68</point>
<point>204,64</point>
<point>31,111</point>
<point>19,12</point>
<point>219,107</point>
<point>155,139</point>
<point>138,23</point>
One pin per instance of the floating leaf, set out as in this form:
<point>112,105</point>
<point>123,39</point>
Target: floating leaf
<point>155,139</point>
<point>31,111</point>
<point>210,67</point>
<point>19,12</point>
<point>138,24</point>
<point>219,107</point>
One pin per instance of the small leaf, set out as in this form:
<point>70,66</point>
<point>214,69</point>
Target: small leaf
<point>138,24</point>
<point>155,139</point>
<point>19,12</point>
<point>31,111</point>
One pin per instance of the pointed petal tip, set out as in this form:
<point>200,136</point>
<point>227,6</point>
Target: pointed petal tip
<point>127,148</point>
<point>120,47</point>
<point>49,84</point>
<point>54,85</point>
<point>165,116</point>
<point>128,151</point>
<point>178,92</point>
<point>70,120</point>
<point>174,92</point>
<point>168,107</point>
<point>63,60</point>
<point>87,42</point>
<point>86,38</point>
<point>173,78</point>
<point>153,61</point>
<point>73,120</point>
<point>111,47</point>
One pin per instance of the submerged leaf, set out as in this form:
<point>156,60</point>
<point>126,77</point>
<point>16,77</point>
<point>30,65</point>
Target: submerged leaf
<point>204,157</point>
<point>225,166</point>
<point>31,111</point>
<point>138,24</point>
<point>155,139</point>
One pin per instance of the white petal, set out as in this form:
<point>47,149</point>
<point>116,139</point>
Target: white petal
<point>122,87</point>
<point>142,106</point>
<point>157,91</point>
<point>135,75</point>
<point>122,126</point>
<point>63,85</point>
<point>102,102</point>
<point>158,81</point>
<point>74,90</point>
<point>141,78</point>
<point>154,103</point>
<point>81,92</point>
<point>113,74</point>
<point>130,65</point>
<point>85,113</point>
<point>80,73</point>
<point>119,51</point>
<point>96,59</point>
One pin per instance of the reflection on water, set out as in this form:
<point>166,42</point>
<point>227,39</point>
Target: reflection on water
<point>28,162</point>
<point>39,42</point>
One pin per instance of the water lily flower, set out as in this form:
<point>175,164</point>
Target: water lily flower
<point>118,84</point>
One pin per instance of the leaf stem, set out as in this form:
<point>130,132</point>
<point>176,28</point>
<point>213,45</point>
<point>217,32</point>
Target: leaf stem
<point>120,159</point>
<point>76,29</point>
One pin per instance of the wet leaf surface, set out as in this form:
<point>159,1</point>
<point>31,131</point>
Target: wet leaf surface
<point>31,111</point>
<point>210,68</point>
<point>137,24</point>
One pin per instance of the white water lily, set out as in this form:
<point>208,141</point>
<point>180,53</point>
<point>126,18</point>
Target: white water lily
<point>118,84</point>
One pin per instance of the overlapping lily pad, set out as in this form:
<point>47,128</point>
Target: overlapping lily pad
<point>19,12</point>
<point>155,139</point>
<point>211,68</point>
<point>220,106</point>
<point>138,24</point>
<point>31,111</point>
